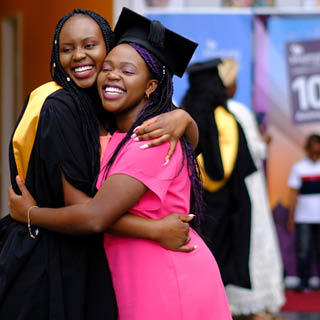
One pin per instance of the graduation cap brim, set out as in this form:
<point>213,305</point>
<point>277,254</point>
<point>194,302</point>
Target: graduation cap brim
<point>204,66</point>
<point>176,51</point>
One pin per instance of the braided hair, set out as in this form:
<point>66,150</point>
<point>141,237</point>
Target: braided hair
<point>161,102</point>
<point>87,100</point>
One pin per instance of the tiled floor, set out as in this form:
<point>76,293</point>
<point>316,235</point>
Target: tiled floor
<point>300,316</point>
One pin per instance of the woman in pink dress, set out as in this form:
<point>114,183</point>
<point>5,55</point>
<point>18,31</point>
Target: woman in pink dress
<point>150,282</point>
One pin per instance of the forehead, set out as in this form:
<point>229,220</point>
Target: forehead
<point>124,52</point>
<point>80,26</point>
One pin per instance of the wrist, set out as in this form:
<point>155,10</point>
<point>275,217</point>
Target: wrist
<point>32,233</point>
<point>156,231</point>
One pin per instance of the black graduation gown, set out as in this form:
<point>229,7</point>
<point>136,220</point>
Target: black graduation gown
<point>227,222</point>
<point>54,276</point>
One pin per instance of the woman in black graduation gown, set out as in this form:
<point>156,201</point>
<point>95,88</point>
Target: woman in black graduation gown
<point>44,275</point>
<point>225,163</point>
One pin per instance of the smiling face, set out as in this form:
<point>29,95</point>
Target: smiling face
<point>82,50</point>
<point>124,83</point>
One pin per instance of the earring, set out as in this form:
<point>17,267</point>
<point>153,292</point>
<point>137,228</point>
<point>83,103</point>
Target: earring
<point>68,79</point>
<point>146,95</point>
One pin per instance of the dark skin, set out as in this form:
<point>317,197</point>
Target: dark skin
<point>120,191</point>
<point>82,51</point>
<point>171,232</point>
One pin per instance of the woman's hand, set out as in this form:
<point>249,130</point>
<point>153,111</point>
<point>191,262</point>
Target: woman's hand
<point>174,232</point>
<point>168,127</point>
<point>19,205</point>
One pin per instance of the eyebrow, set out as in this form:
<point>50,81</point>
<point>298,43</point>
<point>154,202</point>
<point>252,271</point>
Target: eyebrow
<point>123,63</point>
<point>83,40</point>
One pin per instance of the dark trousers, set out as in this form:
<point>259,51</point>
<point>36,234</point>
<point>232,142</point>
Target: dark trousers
<point>308,242</point>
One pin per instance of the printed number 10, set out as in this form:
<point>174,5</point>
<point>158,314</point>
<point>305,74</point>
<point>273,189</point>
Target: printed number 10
<point>308,90</point>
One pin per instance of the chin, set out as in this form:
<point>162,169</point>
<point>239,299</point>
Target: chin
<point>85,83</point>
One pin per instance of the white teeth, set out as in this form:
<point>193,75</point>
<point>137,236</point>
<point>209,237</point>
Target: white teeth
<point>83,69</point>
<point>113,90</point>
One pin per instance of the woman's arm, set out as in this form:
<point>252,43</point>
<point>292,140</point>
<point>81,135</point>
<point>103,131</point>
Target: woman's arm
<point>171,232</point>
<point>93,216</point>
<point>119,191</point>
<point>170,126</point>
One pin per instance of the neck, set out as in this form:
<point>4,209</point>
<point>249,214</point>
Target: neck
<point>126,119</point>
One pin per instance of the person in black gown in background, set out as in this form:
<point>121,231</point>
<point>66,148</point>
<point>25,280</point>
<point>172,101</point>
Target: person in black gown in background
<point>225,162</point>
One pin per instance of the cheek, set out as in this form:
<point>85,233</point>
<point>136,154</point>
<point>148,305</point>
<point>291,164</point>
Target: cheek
<point>100,79</point>
<point>64,62</point>
<point>100,57</point>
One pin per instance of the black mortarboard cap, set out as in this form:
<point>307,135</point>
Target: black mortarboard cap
<point>204,66</point>
<point>203,73</point>
<point>172,49</point>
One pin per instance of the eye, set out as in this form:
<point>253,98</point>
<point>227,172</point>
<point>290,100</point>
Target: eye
<point>128,71</point>
<point>65,50</point>
<point>106,68</point>
<point>90,45</point>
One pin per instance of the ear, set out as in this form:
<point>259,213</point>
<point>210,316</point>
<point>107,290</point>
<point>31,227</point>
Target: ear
<point>151,87</point>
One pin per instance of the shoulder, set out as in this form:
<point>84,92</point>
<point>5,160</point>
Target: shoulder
<point>301,163</point>
<point>241,111</point>
<point>61,103</point>
<point>300,166</point>
<point>62,96</point>
<point>235,106</point>
<point>148,160</point>
<point>157,153</point>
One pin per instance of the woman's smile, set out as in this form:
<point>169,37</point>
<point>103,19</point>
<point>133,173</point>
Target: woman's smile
<point>111,92</point>
<point>83,71</point>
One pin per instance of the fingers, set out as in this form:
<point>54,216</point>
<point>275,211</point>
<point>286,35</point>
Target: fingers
<point>157,134</point>
<point>11,193</point>
<point>157,142</point>
<point>10,190</point>
<point>189,248</point>
<point>148,126</point>
<point>21,185</point>
<point>186,217</point>
<point>173,145</point>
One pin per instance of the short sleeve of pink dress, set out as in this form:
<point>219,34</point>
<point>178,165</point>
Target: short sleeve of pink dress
<point>151,282</point>
<point>169,186</point>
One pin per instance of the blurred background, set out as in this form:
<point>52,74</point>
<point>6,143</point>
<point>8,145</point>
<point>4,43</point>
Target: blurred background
<point>275,42</point>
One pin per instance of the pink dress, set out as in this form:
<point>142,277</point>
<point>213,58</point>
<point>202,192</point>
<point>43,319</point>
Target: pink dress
<point>151,282</point>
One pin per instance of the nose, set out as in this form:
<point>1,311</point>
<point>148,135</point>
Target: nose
<point>113,75</point>
<point>78,54</point>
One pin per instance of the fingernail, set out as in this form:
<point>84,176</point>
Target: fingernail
<point>166,162</point>
<point>144,146</point>
<point>136,139</point>
<point>133,135</point>
<point>19,179</point>
<point>136,128</point>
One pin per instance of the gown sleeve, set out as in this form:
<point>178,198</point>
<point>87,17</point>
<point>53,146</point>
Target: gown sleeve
<point>62,146</point>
